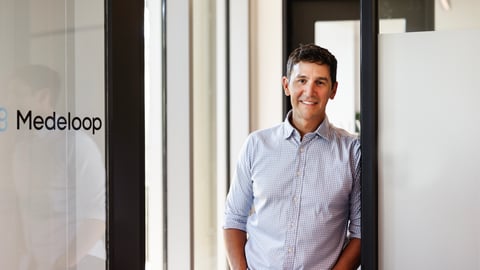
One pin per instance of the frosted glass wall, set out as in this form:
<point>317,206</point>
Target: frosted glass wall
<point>52,135</point>
<point>429,181</point>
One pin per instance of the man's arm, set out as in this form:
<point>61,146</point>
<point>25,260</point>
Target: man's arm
<point>235,241</point>
<point>350,257</point>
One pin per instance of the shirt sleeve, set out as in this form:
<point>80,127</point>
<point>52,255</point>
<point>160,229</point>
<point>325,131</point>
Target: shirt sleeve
<point>355,196</point>
<point>240,196</point>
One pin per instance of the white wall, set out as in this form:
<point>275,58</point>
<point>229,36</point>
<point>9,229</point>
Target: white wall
<point>463,14</point>
<point>265,63</point>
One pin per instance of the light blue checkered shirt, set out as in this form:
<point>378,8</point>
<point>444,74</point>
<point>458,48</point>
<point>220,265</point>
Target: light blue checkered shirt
<point>296,198</point>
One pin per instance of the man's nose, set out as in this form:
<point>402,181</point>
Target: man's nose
<point>309,88</point>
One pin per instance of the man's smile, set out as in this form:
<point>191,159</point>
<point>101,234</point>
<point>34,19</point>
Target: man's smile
<point>307,102</point>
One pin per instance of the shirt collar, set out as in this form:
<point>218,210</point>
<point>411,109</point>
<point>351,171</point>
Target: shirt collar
<point>323,129</point>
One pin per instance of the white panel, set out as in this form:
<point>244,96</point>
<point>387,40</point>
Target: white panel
<point>179,167</point>
<point>266,63</point>
<point>239,78</point>
<point>392,26</point>
<point>221,121</point>
<point>429,182</point>
<point>153,136</point>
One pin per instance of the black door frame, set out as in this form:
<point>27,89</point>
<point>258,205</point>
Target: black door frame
<point>369,131</point>
<point>125,143</point>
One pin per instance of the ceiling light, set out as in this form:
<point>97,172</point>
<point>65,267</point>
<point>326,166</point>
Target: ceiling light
<point>445,5</point>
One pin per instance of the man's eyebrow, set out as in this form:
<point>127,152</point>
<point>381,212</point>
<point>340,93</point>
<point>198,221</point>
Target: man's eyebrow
<point>301,76</point>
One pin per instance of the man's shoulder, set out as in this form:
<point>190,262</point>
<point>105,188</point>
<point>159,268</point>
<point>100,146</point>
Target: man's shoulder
<point>272,132</point>
<point>343,135</point>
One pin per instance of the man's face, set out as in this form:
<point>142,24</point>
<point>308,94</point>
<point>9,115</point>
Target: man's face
<point>309,87</point>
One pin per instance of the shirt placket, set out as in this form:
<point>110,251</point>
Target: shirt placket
<point>292,230</point>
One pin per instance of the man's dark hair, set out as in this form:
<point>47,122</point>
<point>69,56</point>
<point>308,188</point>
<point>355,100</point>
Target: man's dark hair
<point>312,53</point>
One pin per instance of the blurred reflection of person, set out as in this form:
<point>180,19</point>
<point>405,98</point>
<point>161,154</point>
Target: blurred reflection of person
<point>59,178</point>
<point>11,241</point>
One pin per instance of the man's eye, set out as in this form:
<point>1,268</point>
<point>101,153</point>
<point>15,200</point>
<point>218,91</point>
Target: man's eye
<point>302,81</point>
<point>320,83</point>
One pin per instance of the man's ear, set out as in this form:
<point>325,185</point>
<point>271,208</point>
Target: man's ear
<point>334,90</point>
<point>285,86</point>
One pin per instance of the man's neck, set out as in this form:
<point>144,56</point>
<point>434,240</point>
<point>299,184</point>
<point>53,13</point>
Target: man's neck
<point>304,127</point>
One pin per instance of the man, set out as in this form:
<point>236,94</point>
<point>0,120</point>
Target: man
<point>294,202</point>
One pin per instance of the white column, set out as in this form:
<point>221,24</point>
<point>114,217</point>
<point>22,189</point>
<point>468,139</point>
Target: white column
<point>179,131</point>
<point>239,77</point>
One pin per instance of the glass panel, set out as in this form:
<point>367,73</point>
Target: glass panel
<point>428,115</point>
<point>52,136</point>
<point>154,136</point>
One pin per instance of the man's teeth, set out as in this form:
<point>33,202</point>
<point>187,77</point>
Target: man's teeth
<point>308,102</point>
